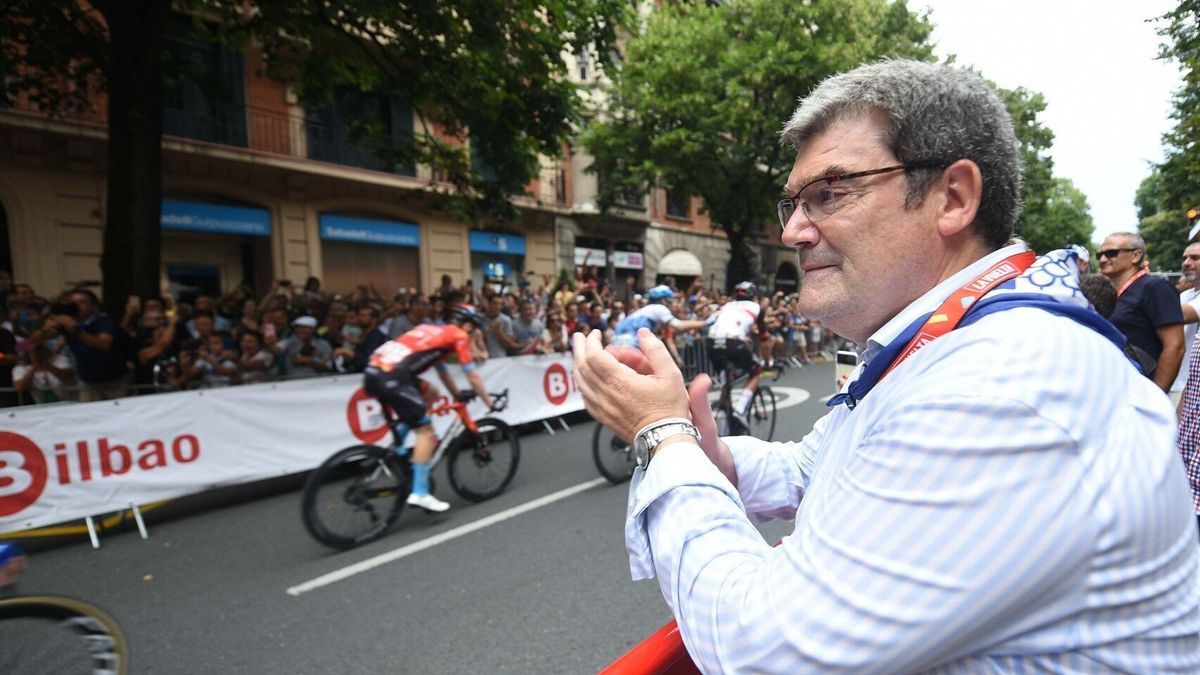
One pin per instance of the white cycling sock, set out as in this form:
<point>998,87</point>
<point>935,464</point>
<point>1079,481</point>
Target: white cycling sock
<point>744,402</point>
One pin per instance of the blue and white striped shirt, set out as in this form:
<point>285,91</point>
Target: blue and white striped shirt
<point>1008,499</point>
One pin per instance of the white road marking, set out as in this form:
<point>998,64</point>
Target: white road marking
<point>785,397</point>
<point>791,396</point>
<point>416,547</point>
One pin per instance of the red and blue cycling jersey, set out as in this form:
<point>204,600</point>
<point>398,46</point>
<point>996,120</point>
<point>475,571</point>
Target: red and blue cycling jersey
<point>423,347</point>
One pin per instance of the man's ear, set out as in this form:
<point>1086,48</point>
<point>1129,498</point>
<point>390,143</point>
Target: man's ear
<point>960,193</point>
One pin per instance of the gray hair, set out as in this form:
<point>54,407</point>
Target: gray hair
<point>936,114</point>
<point>1135,240</point>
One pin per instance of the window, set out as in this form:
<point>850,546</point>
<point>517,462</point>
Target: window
<point>678,206</point>
<point>627,197</point>
<point>584,60</point>
<point>486,173</point>
<point>364,129</point>
<point>633,198</point>
<point>207,100</point>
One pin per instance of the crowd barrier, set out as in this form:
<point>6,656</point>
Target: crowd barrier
<point>64,462</point>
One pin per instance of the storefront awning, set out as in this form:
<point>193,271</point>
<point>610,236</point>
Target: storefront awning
<point>219,218</point>
<point>680,262</point>
<point>369,230</point>
<point>496,242</point>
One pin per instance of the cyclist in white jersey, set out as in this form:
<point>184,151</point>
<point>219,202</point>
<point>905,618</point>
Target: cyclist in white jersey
<point>655,316</point>
<point>731,335</point>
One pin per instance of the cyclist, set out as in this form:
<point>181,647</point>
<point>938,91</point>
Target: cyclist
<point>393,376</point>
<point>730,338</point>
<point>656,316</point>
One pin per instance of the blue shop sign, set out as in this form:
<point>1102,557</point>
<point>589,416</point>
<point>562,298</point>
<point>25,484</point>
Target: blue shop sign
<point>218,218</point>
<point>494,242</point>
<point>369,231</point>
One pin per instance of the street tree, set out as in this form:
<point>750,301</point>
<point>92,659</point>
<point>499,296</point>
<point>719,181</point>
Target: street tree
<point>1181,168</point>
<point>1054,213</point>
<point>492,71</point>
<point>698,103</point>
<point>1173,185</point>
<point>1162,227</point>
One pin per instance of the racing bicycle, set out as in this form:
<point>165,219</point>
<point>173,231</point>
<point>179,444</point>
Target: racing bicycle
<point>53,634</point>
<point>759,420</point>
<point>360,491</point>
<point>614,456</point>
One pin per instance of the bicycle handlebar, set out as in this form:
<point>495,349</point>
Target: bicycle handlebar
<point>499,401</point>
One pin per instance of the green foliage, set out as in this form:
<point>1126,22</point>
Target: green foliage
<point>490,69</point>
<point>1165,233</point>
<point>1173,186</point>
<point>1164,228</point>
<point>1061,217</point>
<point>1181,169</point>
<point>699,102</point>
<point>1055,212</point>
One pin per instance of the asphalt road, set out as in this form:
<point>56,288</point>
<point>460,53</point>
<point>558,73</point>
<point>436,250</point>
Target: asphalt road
<point>545,589</point>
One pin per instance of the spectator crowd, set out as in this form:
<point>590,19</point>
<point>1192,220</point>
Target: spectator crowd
<point>65,348</point>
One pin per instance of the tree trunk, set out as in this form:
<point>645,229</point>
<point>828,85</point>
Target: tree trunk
<point>132,229</point>
<point>742,264</point>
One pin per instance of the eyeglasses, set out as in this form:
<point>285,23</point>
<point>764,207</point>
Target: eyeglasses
<point>1113,252</point>
<point>820,198</point>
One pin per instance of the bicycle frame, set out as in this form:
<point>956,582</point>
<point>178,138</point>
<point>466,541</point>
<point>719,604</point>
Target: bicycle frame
<point>463,419</point>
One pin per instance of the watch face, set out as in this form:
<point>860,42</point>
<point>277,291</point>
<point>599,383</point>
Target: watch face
<point>641,451</point>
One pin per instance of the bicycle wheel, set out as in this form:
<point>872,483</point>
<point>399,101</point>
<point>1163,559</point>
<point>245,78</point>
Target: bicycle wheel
<point>761,417</point>
<point>355,496</point>
<point>614,457</point>
<point>46,634</point>
<point>483,463</point>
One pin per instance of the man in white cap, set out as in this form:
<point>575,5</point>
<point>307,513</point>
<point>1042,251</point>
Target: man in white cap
<point>306,354</point>
<point>1083,259</point>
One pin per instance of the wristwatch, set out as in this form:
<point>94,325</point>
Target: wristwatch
<point>648,439</point>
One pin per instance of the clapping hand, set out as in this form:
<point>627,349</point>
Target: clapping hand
<point>625,389</point>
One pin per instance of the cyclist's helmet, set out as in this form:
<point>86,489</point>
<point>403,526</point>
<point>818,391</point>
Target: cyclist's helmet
<point>745,291</point>
<point>660,293</point>
<point>465,312</point>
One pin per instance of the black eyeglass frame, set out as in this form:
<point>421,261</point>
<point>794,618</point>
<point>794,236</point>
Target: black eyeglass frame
<point>790,203</point>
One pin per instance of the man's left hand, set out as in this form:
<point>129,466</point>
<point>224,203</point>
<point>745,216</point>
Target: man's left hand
<point>625,389</point>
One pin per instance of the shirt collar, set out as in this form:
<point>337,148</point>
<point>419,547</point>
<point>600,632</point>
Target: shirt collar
<point>932,299</point>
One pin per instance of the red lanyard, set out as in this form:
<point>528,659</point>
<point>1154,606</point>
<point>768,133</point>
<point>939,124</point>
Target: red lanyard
<point>946,317</point>
<point>1129,282</point>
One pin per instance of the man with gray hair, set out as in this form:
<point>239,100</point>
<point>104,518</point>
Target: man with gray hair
<point>1148,310</point>
<point>995,489</point>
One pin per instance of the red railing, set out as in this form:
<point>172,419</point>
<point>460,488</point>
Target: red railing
<point>662,653</point>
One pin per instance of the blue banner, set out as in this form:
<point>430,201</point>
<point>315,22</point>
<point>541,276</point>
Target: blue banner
<point>494,242</point>
<point>219,218</point>
<point>369,231</point>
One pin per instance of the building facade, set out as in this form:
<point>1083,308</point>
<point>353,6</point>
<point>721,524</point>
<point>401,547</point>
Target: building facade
<point>259,188</point>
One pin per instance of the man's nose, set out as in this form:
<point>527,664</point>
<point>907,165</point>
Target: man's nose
<point>800,230</point>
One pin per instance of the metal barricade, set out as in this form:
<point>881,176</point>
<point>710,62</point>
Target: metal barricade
<point>693,352</point>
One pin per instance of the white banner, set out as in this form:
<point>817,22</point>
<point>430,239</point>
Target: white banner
<point>630,260</point>
<point>64,462</point>
<point>591,256</point>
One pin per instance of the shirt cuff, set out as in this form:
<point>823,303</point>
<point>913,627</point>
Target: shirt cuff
<point>770,482</point>
<point>679,464</point>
